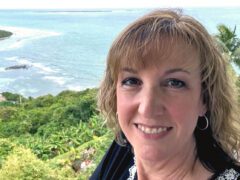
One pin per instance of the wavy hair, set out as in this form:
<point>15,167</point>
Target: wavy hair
<point>147,35</point>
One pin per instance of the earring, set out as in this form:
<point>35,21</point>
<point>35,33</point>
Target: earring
<point>120,137</point>
<point>204,127</point>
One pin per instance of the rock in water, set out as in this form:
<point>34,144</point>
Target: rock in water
<point>23,66</point>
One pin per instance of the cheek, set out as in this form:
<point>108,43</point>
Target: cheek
<point>122,104</point>
<point>184,112</point>
<point>125,107</point>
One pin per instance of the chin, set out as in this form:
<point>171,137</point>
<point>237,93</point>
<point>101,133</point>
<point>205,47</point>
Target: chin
<point>150,153</point>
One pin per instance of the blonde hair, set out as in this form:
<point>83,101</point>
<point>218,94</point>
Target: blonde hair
<point>145,36</point>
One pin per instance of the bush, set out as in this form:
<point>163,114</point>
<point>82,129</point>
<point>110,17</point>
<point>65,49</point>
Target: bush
<point>5,149</point>
<point>41,129</point>
<point>55,142</point>
<point>85,158</point>
<point>23,164</point>
<point>7,103</point>
<point>7,113</point>
<point>14,128</point>
<point>13,97</point>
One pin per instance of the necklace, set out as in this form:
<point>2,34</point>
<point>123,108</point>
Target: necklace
<point>132,170</point>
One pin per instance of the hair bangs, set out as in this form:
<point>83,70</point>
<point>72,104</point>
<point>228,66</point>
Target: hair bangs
<point>146,44</point>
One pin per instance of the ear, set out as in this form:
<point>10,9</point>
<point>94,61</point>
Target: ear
<point>202,109</point>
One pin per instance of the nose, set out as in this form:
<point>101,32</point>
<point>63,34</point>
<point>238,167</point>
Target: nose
<point>151,103</point>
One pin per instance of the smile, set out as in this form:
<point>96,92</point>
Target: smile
<point>149,130</point>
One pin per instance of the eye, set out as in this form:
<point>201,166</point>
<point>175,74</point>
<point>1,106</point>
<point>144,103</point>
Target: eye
<point>131,82</point>
<point>175,83</point>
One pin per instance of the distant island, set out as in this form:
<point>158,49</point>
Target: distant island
<point>5,34</point>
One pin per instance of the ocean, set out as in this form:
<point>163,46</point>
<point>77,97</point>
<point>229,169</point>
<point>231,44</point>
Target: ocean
<point>67,50</point>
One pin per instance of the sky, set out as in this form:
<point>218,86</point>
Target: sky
<point>82,4</point>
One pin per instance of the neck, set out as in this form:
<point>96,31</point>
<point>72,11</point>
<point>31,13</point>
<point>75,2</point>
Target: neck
<point>183,165</point>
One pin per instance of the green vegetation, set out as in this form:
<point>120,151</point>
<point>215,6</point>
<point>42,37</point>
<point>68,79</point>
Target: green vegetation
<point>51,137</point>
<point>5,34</point>
<point>229,42</point>
<point>63,137</point>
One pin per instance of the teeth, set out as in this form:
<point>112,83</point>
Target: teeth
<point>148,130</point>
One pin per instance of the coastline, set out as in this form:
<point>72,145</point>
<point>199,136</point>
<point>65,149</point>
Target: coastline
<point>18,68</point>
<point>22,32</point>
<point>30,67</point>
<point>75,59</point>
<point>20,35</point>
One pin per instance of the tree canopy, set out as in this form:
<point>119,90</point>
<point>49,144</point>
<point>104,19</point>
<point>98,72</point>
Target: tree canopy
<point>229,42</point>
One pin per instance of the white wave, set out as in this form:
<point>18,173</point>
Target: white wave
<point>77,87</point>
<point>27,32</point>
<point>2,69</point>
<point>14,45</point>
<point>26,92</point>
<point>22,35</point>
<point>5,82</point>
<point>23,61</point>
<point>74,87</point>
<point>13,58</point>
<point>45,69</point>
<point>59,80</point>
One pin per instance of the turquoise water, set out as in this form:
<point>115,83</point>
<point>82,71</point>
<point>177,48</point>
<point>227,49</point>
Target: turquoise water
<point>67,49</point>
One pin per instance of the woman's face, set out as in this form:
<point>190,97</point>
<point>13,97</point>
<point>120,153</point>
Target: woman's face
<point>158,105</point>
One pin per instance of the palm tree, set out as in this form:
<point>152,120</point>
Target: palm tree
<point>229,42</point>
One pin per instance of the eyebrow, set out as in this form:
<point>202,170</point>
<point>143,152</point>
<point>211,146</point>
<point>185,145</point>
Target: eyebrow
<point>130,70</point>
<point>170,71</point>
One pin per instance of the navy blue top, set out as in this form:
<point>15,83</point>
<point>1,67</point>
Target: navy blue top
<point>115,164</point>
<point>118,159</point>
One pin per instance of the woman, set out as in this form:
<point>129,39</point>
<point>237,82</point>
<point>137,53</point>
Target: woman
<point>167,96</point>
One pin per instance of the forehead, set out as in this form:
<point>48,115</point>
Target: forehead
<point>176,52</point>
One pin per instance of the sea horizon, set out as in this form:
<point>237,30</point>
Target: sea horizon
<point>66,49</point>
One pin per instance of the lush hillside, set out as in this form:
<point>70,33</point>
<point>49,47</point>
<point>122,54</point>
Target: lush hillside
<point>63,136</point>
<point>5,34</point>
<point>51,137</point>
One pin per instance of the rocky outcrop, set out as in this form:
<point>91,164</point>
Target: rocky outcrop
<point>22,66</point>
<point>5,34</point>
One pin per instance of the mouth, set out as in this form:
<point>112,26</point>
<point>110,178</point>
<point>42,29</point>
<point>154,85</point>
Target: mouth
<point>152,130</point>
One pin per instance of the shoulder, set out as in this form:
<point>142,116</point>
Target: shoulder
<point>229,174</point>
<point>115,163</point>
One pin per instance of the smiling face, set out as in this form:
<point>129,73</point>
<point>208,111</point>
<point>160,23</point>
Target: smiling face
<point>159,104</point>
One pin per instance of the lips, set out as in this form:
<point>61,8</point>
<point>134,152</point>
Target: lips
<point>152,130</point>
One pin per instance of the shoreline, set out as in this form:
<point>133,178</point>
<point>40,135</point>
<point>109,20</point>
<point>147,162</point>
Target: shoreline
<point>23,33</point>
